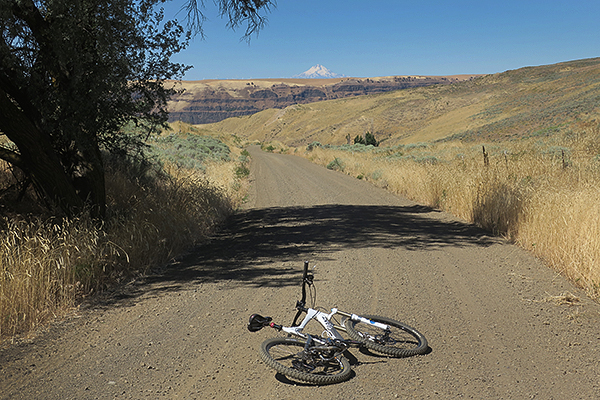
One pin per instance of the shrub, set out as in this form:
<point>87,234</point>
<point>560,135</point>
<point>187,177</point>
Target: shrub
<point>189,150</point>
<point>312,146</point>
<point>336,165</point>
<point>359,140</point>
<point>242,171</point>
<point>370,139</point>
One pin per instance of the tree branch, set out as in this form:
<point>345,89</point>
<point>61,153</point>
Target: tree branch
<point>11,157</point>
<point>237,13</point>
<point>240,12</point>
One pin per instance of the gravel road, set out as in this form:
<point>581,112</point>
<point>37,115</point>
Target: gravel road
<point>490,311</point>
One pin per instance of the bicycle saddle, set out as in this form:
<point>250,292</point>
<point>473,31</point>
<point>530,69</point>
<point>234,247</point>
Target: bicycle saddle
<point>257,322</point>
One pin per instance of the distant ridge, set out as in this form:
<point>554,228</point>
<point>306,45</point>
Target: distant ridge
<point>525,103</point>
<point>215,100</point>
<point>318,71</point>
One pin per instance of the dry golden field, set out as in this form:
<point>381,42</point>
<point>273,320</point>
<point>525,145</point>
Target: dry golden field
<point>49,264</point>
<point>542,194</point>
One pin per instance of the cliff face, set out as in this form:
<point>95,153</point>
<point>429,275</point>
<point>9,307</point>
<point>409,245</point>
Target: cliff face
<point>213,101</point>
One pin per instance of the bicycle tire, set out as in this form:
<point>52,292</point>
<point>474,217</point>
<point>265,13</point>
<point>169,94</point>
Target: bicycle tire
<point>404,341</point>
<point>282,354</point>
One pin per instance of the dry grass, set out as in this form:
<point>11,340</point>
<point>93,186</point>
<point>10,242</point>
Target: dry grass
<point>543,195</point>
<point>48,264</point>
<point>566,298</point>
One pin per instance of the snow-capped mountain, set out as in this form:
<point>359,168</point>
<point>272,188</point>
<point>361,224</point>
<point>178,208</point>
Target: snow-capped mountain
<point>318,71</point>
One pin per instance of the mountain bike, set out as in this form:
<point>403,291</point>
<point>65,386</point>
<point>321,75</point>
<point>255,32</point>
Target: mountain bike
<point>320,359</point>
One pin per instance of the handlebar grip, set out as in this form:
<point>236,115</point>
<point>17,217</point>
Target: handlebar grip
<point>304,275</point>
<point>303,301</point>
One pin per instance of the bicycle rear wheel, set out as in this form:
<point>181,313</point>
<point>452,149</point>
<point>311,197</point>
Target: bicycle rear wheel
<point>287,356</point>
<point>400,341</point>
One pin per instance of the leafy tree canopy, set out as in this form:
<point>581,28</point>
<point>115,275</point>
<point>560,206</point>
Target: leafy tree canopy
<point>73,72</point>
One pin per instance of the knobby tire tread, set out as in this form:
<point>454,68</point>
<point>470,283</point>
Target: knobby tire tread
<point>300,375</point>
<point>421,346</point>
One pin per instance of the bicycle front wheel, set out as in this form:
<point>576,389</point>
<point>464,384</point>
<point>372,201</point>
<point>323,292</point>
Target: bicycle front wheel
<point>288,356</point>
<point>400,340</point>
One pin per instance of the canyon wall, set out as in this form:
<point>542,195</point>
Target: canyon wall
<point>210,101</point>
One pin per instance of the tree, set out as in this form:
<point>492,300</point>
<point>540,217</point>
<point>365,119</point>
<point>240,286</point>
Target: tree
<point>73,72</point>
<point>370,139</point>
<point>359,139</point>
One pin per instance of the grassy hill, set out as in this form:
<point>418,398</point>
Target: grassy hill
<point>519,103</point>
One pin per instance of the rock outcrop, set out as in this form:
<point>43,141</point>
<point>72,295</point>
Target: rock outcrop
<point>215,100</point>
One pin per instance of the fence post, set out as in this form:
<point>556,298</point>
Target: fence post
<point>486,160</point>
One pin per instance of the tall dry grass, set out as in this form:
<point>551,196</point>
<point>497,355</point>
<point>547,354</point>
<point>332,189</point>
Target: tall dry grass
<point>543,194</point>
<point>48,264</point>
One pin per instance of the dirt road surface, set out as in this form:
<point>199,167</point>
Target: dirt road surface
<point>491,312</point>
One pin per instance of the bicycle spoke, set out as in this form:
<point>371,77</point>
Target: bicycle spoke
<point>399,340</point>
<point>313,365</point>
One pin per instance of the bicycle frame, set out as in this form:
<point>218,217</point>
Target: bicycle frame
<point>325,320</point>
<point>331,330</point>
<point>322,359</point>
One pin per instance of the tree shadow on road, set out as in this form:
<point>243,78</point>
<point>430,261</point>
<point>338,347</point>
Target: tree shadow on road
<point>289,232</point>
<point>254,245</point>
<point>254,237</point>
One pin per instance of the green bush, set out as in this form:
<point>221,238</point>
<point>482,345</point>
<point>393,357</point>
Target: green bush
<point>312,145</point>
<point>242,171</point>
<point>336,165</point>
<point>189,151</point>
<point>359,140</point>
<point>368,140</point>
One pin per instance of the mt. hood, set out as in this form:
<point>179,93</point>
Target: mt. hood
<point>318,71</point>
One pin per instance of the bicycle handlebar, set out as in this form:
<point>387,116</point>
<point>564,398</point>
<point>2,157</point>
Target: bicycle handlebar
<point>300,305</point>
<point>304,277</point>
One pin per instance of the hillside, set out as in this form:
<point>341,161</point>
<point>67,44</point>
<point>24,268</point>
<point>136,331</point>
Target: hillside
<point>210,101</point>
<point>524,102</point>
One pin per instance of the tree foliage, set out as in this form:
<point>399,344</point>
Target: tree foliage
<point>359,139</point>
<point>73,72</point>
<point>368,139</point>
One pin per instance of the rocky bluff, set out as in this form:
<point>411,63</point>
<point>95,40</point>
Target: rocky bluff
<point>210,101</point>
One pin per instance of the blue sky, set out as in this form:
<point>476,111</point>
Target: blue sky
<point>387,37</point>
